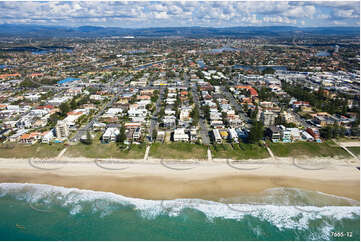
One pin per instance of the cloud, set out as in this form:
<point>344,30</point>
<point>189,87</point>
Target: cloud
<point>343,13</point>
<point>181,13</point>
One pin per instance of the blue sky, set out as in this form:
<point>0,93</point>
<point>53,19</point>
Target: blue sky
<point>130,14</point>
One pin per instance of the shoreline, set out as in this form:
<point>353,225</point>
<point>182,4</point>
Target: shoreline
<point>210,180</point>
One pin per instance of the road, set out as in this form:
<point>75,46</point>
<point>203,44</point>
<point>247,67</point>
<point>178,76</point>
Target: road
<point>202,122</point>
<point>235,105</point>
<point>154,118</point>
<point>83,130</point>
<point>151,63</point>
<point>301,120</point>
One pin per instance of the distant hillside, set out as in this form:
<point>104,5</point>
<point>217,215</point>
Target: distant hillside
<point>34,31</point>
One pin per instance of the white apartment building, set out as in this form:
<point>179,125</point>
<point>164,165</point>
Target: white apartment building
<point>61,129</point>
<point>180,135</point>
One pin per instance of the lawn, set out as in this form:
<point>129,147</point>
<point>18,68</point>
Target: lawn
<point>11,150</point>
<point>311,149</point>
<point>111,150</point>
<point>178,150</point>
<point>354,150</point>
<point>240,151</point>
<point>346,139</point>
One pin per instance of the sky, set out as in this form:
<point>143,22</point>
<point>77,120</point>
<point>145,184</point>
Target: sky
<point>140,14</point>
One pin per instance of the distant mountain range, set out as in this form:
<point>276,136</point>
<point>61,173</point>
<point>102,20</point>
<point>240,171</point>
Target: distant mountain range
<point>38,31</point>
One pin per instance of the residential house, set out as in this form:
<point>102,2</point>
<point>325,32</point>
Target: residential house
<point>295,134</point>
<point>16,137</point>
<point>233,136</point>
<point>285,134</point>
<point>306,136</point>
<point>160,136</point>
<point>137,135</point>
<point>31,138</point>
<point>217,137</point>
<point>274,133</point>
<point>180,135</point>
<point>193,134</point>
<point>47,136</point>
<point>110,134</point>
<point>314,132</point>
<point>169,121</point>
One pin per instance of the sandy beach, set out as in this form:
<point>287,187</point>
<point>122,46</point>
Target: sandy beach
<point>211,180</point>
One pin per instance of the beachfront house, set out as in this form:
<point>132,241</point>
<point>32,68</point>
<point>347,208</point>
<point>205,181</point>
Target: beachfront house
<point>233,137</point>
<point>314,133</point>
<point>306,136</point>
<point>137,135</point>
<point>217,137</point>
<point>160,136</point>
<point>273,133</point>
<point>47,136</point>
<point>285,134</point>
<point>110,134</point>
<point>180,135</point>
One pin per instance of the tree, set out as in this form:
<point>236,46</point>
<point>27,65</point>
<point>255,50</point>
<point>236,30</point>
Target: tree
<point>355,131</point>
<point>88,140</point>
<point>121,136</point>
<point>326,132</point>
<point>224,118</point>
<point>161,114</point>
<point>170,74</point>
<point>253,113</point>
<point>333,131</point>
<point>148,107</point>
<point>154,98</point>
<point>195,116</point>
<point>73,103</point>
<point>154,134</point>
<point>279,120</point>
<point>264,94</point>
<point>133,99</point>
<point>206,111</point>
<point>53,119</point>
<point>245,107</point>
<point>256,133</point>
<point>64,108</point>
<point>268,70</point>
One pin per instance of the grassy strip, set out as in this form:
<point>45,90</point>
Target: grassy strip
<point>240,151</point>
<point>354,150</point>
<point>325,149</point>
<point>178,150</point>
<point>346,139</point>
<point>111,150</point>
<point>29,151</point>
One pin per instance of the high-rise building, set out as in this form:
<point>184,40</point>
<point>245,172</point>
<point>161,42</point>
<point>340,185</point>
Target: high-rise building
<point>61,129</point>
<point>268,118</point>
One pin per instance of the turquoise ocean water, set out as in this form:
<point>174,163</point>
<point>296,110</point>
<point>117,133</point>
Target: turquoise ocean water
<point>44,212</point>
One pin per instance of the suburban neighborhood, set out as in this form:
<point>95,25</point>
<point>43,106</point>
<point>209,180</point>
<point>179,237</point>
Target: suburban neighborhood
<point>194,94</point>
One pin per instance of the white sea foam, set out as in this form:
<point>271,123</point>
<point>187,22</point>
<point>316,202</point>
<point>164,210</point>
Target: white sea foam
<point>283,217</point>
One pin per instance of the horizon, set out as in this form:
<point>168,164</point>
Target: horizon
<point>160,27</point>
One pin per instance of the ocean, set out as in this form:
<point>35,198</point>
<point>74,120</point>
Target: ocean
<point>44,212</point>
